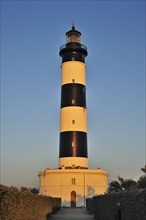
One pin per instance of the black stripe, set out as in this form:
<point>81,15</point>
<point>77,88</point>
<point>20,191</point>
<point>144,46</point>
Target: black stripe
<point>73,94</point>
<point>73,56</point>
<point>73,144</point>
<point>73,51</point>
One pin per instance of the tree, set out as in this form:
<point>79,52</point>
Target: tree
<point>127,184</point>
<point>35,191</point>
<point>144,169</point>
<point>14,188</point>
<point>122,185</point>
<point>24,189</point>
<point>142,182</point>
<point>114,186</point>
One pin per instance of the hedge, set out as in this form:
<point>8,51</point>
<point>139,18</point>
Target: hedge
<point>89,204</point>
<point>128,205</point>
<point>17,205</point>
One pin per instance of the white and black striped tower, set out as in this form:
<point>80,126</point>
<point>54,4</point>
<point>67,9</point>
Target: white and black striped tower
<point>73,113</point>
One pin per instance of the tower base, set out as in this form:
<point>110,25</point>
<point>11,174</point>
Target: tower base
<point>73,186</point>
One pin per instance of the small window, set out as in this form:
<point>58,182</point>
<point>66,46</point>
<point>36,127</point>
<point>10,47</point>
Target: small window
<point>73,101</point>
<point>73,122</point>
<point>73,180</point>
<point>83,90</point>
<point>73,80</point>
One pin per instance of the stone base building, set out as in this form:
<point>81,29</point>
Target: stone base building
<point>73,186</point>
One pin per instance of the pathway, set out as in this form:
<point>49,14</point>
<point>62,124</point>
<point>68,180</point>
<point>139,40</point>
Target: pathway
<point>72,214</point>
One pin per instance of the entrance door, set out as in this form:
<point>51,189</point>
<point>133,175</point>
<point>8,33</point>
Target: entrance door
<point>73,199</point>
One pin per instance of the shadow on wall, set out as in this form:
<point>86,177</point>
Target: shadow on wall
<point>81,200</point>
<point>90,192</point>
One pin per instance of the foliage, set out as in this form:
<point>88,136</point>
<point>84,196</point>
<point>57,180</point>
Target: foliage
<point>89,204</point>
<point>122,185</point>
<point>22,204</point>
<point>142,182</point>
<point>144,169</point>
<point>125,196</point>
<point>114,187</point>
<point>35,191</point>
<point>24,189</point>
<point>131,204</point>
<point>128,184</point>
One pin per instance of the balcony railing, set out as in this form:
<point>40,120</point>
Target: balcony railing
<point>81,46</point>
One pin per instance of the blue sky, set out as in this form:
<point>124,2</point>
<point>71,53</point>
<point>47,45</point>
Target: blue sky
<point>31,35</point>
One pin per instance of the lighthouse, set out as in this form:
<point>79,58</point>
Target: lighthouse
<point>73,181</point>
<point>73,112</point>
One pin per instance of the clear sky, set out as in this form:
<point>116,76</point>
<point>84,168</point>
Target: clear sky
<point>31,35</point>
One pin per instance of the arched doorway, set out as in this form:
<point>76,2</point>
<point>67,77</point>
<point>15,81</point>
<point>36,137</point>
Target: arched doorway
<point>73,199</point>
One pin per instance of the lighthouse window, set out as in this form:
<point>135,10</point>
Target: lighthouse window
<point>73,180</point>
<point>73,80</point>
<point>73,121</point>
<point>73,101</point>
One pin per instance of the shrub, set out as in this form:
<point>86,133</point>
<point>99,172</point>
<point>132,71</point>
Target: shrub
<point>25,205</point>
<point>130,203</point>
